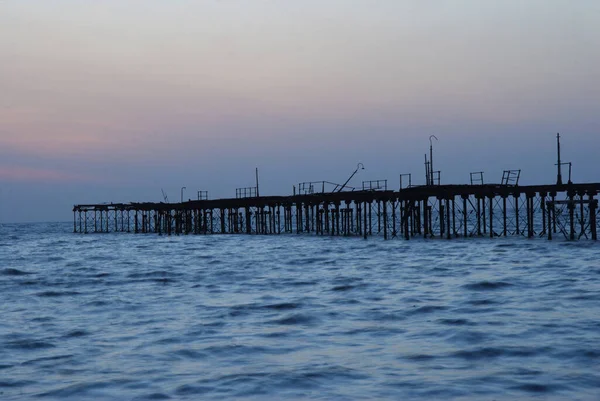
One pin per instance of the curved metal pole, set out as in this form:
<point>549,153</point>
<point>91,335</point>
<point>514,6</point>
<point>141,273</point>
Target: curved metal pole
<point>431,157</point>
<point>359,166</point>
<point>182,188</point>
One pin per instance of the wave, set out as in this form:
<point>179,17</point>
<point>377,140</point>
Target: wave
<point>52,294</point>
<point>487,285</point>
<point>13,272</point>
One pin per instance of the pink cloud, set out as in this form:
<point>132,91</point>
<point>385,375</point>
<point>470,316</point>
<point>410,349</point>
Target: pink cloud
<point>36,175</point>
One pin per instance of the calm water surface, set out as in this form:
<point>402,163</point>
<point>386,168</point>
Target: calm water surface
<point>143,317</point>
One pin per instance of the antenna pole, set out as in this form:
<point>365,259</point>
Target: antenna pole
<point>427,175</point>
<point>257,193</point>
<point>559,175</point>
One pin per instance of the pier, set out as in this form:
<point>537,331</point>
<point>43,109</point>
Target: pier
<point>431,211</point>
<point>560,210</point>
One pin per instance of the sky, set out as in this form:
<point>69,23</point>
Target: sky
<point>116,100</point>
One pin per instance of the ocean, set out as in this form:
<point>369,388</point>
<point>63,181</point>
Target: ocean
<point>147,317</point>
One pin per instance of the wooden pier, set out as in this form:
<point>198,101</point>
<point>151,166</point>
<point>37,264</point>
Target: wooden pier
<point>566,211</point>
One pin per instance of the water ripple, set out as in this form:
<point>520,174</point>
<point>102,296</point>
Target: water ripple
<point>145,317</point>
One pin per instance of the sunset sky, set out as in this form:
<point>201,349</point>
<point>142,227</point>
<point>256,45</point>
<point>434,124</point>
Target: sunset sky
<point>115,100</point>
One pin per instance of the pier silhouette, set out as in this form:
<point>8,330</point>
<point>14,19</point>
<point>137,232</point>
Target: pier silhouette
<point>323,208</point>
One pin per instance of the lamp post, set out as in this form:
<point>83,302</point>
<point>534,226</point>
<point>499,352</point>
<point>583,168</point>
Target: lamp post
<point>431,156</point>
<point>182,188</point>
<point>359,166</point>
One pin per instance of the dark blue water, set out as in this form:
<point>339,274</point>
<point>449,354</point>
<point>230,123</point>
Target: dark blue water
<point>143,317</point>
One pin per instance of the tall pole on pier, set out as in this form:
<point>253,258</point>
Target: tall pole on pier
<point>182,188</point>
<point>559,175</point>
<point>427,175</point>
<point>257,193</point>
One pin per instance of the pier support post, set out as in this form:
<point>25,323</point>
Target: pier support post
<point>385,222</point>
<point>359,228</point>
<point>307,217</point>
<point>370,209</point>
<point>491,216</point>
<point>593,224</point>
<point>543,208</point>
<point>418,217</point>
<point>279,219</point>
<point>222,212</point>
<point>478,198</point>
<point>448,233</point>
<point>516,197</point>
<point>407,212</point>
<point>337,218</point>
<point>454,217</point>
<point>410,216</point>
<point>177,222</point>
<point>530,231</point>
<point>332,222</point>
<point>159,223</point>
<point>326,218</point>
<point>425,218</point>
<point>504,219</point>
<point>582,215</point>
<point>571,216</point>
<point>365,227</point>
<point>401,204</point>
<point>394,232</point>
<point>169,222</point>
<point>441,216</point>
<point>319,219</point>
<point>299,223</point>
<point>248,220</point>
<point>549,211</point>
<point>465,216</point>
<point>483,215</point>
<point>553,223</point>
<point>378,216</point>
<point>348,218</point>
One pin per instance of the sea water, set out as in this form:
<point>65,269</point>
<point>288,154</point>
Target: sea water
<point>148,317</point>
